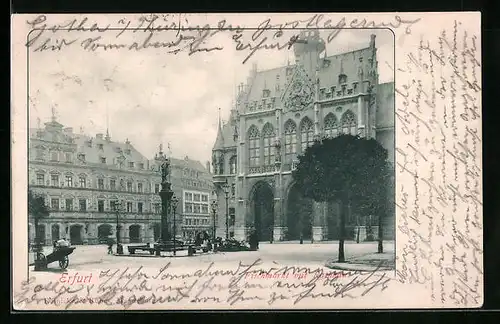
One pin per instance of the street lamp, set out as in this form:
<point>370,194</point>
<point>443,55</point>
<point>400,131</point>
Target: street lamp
<point>214,211</point>
<point>225,187</point>
<point>174,202</point>
<point>119,248</point>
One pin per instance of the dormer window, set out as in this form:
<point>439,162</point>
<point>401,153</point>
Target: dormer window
<point>355,87</point>
<point>103,160</point>
<point>127,151</point>
<point>342,78</point>
<point>100,146</point>
<point>89,143</point>
<point>266,93</point>
<point>131,164</point>
<point>81,156</point>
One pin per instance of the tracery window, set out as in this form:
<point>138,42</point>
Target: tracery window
<point>331,126</point>
<point>306,133</point>
<point>268,136</point>
<point>290,137</point>
<point>254,145</point>
<point>348,123</point>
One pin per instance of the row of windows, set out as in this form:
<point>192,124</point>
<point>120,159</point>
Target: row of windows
<point>196,221</point>
<point>82,205</point>
<point>82,183</point>
<point>332,128</point>
<point>189,196</point>
<point>195,183</point>
<point>55,156</point>
<point>195,208</point>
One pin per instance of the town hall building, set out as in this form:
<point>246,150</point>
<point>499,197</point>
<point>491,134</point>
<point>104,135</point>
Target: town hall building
<point>277,114</point>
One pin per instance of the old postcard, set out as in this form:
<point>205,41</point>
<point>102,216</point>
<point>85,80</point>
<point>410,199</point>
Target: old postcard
<point>246,161</point>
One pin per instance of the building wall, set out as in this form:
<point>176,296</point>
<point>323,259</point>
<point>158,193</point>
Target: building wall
<point>81,200</point>
<point>346,92</point>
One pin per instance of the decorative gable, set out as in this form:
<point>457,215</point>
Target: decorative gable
<point>299,92</point>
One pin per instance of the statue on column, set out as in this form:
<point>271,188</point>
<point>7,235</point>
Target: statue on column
<point>164,170</point>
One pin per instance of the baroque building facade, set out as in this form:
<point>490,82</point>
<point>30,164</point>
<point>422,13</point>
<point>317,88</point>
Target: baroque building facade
<point>277,114</point>
<point>91,184</point>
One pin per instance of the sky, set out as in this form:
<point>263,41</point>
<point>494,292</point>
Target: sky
<point>152,97</point>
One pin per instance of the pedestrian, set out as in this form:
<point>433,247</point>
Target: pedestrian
<point>110,246</point>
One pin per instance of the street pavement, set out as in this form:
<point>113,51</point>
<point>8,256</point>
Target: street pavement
<point>93,257</point>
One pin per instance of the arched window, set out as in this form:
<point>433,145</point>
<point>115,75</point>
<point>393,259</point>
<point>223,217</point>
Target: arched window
<point>348,123</point>
<point>254,145</point>
<point>268,135</point>
<point>331,126</point>
<point>306,133</point>
<point>290,137</point>
<point>232,164</point>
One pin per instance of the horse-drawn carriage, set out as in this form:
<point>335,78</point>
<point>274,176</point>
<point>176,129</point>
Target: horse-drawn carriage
<point>60,254</point>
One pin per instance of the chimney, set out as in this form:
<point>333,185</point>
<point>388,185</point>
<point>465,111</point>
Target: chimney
<point>208,166</point>
<point>372,40</point>
<point>68,130</point>
<point>99,136</point>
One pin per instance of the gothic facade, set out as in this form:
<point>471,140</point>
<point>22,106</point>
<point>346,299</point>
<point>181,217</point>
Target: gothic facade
<point>277,114</point>
<point>84,179</point>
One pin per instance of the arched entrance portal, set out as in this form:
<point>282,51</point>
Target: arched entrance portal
<point>55,232</point>
<point>75,234</point>
<point>156,231</point>
<point>262,198</point>
<point>299,215</point>
<point>104,231</point>
<point>134,233</point>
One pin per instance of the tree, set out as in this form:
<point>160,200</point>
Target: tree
<point>37,210</point>
<point>344,169</point>
<point>377,199</point>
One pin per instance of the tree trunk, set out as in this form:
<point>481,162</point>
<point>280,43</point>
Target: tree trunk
<point>343,214</point>
<point>37,236</point>
<point>380,235</point>
<point>357,226</point>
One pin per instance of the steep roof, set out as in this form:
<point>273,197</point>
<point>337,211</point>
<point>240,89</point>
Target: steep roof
<point>188,163</point>
<point>219,141</point>
<point>275,80</point>
<point>118,154</point>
